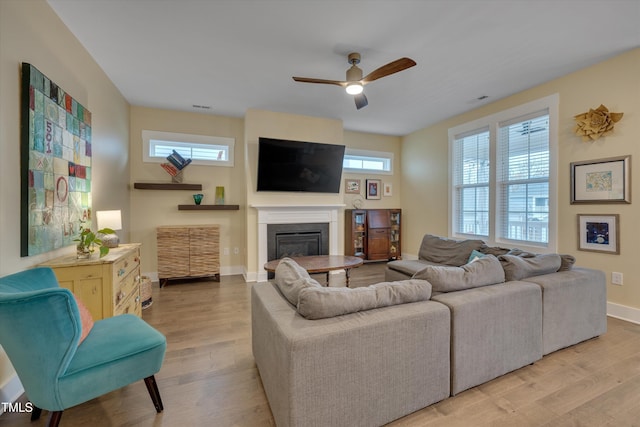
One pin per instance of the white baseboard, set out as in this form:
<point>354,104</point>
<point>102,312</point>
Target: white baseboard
<point>623,312</point>
<point>10,391</point>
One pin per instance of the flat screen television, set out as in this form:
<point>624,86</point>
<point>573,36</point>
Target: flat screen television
<point>285,165</point>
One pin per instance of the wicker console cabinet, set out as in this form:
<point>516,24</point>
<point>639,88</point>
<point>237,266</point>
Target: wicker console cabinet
<point>108,286</point>
<point>186,251</point>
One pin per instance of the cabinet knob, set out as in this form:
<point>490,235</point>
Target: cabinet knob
<point>121,272</point>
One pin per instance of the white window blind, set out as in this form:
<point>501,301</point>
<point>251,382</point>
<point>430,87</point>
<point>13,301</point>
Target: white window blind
<point>201,149</point>
<point>523,178</point>
<point>471,182</point>
<point>374,162</point>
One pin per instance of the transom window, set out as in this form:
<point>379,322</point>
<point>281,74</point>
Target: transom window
<point>201,149</point>
<point>504,176</point>
<point>375,162</point>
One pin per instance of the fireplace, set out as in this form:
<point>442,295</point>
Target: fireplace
<point>297,240</point>
<point>269,215</point>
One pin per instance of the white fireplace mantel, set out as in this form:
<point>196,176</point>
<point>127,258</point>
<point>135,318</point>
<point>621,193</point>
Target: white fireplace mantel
<point>289,214</point>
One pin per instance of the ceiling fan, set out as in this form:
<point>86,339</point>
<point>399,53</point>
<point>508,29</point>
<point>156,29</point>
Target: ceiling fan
<point>354,83</point>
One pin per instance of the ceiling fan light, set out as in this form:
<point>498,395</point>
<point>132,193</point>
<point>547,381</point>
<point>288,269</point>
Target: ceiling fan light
<point>354,89</point>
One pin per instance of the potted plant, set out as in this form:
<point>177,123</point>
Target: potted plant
<point>87,240</point>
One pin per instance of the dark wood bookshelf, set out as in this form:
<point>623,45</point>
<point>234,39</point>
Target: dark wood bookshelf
<point>208,207</point>
<point>166,186</point>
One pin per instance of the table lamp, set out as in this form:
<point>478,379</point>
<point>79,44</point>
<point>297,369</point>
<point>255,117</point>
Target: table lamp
<point>112,220</point>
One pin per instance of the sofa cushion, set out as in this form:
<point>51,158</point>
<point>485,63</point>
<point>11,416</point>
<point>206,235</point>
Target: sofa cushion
<point>86,319</point>
<point>448,251</point>
<point>520,267</point>
<point>321,302</point>
<point>290,279</point>
<point>566,262</point>
<point>482,272</point>
<point>409,266</point>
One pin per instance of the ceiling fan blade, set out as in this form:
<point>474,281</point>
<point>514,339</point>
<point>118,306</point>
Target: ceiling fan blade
<point>322,81</point>
<point>391,68</point>
<point>361,100</point>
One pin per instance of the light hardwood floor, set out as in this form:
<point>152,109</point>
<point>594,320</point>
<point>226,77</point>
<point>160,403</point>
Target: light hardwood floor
<point>209,376</point>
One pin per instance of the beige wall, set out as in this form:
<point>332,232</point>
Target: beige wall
<point>31,32</point>
<point>614,83</point>
<point>152,208</point>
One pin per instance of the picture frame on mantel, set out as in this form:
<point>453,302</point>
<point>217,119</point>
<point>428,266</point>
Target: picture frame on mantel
<point>601,181</point>
<point>599,233</point>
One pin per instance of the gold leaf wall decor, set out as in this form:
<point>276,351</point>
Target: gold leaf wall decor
<point>596,123</point>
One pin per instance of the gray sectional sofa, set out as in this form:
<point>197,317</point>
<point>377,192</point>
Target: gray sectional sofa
<point>438,326</point>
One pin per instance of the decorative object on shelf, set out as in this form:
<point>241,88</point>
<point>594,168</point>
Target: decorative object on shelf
<point>87,240</point>
<point>388,189</point>
<point>599,233</point>
<point>197,198</point>
<point>219,196</point>
<point>176,165</point>
<point>111,220</point>
<point>601,181</point>
<point>352,186</point>
<point>374,188</point>
<point>596,123</point>
<point>50,116</point>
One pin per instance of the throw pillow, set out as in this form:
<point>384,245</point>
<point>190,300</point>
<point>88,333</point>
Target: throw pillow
<point>320,303</point>
<point>482,272</point>
<point>518,267</point>
<point>448,251</point>
<point>290,279</point>
<point>475,255</point>
<point>567,262</point>
<point>86,320</point>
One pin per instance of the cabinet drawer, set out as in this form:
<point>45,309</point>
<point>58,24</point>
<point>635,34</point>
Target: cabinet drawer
<point>130,305</point>
<point>125,287</point>
<point>126,265</point>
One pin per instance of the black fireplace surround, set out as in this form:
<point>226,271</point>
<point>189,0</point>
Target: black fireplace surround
<point>289,240</point>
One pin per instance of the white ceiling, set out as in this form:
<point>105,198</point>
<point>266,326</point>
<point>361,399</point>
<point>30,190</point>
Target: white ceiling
<point>236,55</point>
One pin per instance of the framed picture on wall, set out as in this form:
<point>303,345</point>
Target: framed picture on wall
<point>601,181</point>
<point>352,186</point>
<point>599,233</point>
<point>374,188</point>
<point>388,189</point>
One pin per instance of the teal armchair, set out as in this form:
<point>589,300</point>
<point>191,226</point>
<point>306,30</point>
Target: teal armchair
<point>40,329</point>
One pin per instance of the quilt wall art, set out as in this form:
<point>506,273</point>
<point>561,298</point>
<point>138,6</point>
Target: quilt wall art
<point>55,165</point>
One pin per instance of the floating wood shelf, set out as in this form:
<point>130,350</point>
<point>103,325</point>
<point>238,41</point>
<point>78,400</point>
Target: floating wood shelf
<point>208,207</point>
<point>166,186</point>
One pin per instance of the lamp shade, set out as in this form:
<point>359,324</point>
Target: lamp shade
<point>109,219</point>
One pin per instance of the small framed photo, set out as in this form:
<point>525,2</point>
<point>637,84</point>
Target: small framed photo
<point>599,233</point>
<point>601,181</point>
<point>388,189</point>
<point>352,186</point>
<point>374,188</point>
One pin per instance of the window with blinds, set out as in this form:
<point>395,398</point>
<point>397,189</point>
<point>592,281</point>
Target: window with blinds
<point>471,183</point>
<point>201,149</point>
<point>523,178</point>
<point>503,177</point>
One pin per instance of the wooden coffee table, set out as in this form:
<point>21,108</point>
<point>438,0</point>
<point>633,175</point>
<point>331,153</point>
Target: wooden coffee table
<point>321,264</point>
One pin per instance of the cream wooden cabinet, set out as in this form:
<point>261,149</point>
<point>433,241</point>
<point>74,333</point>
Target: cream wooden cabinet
<point>108,286</point>
<point>186,251</point>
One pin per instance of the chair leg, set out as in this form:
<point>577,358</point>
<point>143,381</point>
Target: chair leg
<point>152,388</point>
<point>35,413</point>
<point>54,418</point>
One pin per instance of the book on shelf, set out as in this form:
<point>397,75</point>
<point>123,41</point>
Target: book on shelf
<point>177,160</point>
<point>171,170</point>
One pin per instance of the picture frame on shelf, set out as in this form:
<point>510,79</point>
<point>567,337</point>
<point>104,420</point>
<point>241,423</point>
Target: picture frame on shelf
<point>352,186</point>
<point>601,181</point>
<point>374,188</point>
<point>599,233</point>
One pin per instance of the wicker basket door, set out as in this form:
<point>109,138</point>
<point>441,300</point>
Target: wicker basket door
<point>173,252</point>
<point>205,251</point>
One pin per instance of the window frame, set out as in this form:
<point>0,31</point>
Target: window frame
<point>384,156</point>
<point>181,140</point>
<point>549,104</point>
